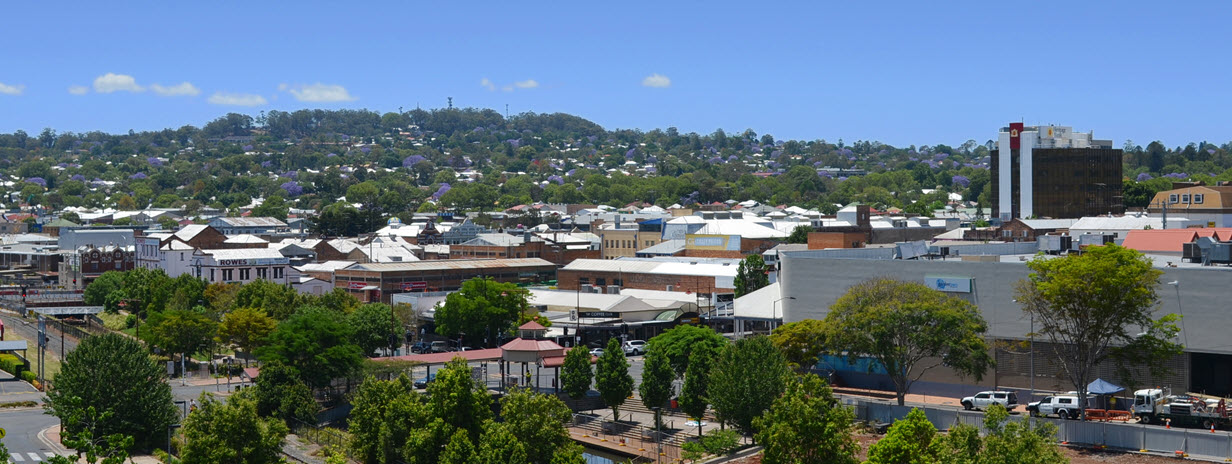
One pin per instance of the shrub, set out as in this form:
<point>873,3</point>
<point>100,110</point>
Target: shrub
<point>9,363</point>
<point>29,376</point>
<point>130,321</point>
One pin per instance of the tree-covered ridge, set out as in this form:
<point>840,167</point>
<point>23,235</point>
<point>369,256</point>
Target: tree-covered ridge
<point>367,166</point>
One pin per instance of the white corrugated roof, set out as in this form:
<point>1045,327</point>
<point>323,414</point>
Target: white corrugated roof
<point>593,301</point>
<point>245,239</point>
<point>1127,223</point>
<point>243,253</point>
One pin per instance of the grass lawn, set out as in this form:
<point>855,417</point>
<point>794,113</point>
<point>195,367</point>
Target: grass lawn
<point>53,363</point>
<point>113,321</point>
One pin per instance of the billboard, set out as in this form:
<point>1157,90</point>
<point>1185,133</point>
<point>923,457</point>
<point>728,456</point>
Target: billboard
<point>712,242</point>
<point>949,284</point>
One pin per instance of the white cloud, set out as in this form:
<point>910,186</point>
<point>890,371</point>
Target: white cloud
<point>112,82</point>
<point>507,88</point>
<point>6,89</point>
<point>236,99</point>
<point>656,80</point>
<point>178,90</point>
<point>282,87</point>
<point>320,93</point>
<point>487,84</point>
<point>78,89</point>
<point>526,84</point>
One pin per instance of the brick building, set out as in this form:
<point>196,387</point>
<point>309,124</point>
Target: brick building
<point>1020,230</point>
<point>371,282</point>
<point>698,275</point>
<point>526,245</point>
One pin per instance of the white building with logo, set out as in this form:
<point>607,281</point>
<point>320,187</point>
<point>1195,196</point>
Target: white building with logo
<point>243,265</point>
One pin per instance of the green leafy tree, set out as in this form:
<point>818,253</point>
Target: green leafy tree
<point>538,422</point>
<point>656,386</point>
<point>374,327</point>
<point>1099,305</point>
<point>317,344</point>
<point>280,393</point>
<point>612,377</point>
<point>482,309</point>
<point>90,448</point>
<point>134,400</point>
<point>181,331</point>
<point>246,329</point>
<point>799,234</point>
<point>458,399</point>
<point>801,342</point>
<point>693,393</point>
<point>277,300</point>
<point>231,432</point>
<point>275,206</point>
<point>908,328</point>
<point>576,374</point>
<point>96,293</point>
<point>908,441</point>
<point>679,342</point>
<point>1018,441</point>
<point>459,450</point>
<point>745,380</point>
<point>807,425</point>
<point>499,446</point>
<point>385,412</point>
<point>751,275</point>
<point>4,453</point>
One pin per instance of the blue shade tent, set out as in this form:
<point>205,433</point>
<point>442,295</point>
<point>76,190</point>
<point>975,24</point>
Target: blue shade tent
<point>1102,387</point>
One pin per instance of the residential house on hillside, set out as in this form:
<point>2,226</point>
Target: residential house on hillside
<point>1200,203</point>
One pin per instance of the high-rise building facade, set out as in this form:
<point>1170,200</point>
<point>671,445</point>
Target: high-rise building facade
<point>1054,172</point>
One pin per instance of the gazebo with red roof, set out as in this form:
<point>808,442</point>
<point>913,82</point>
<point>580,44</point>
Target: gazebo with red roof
<point>530,347</point>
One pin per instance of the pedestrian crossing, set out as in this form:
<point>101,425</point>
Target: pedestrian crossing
<point>16,457</point>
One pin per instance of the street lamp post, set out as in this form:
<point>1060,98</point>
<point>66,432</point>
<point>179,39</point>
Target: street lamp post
<point>774,315</point>
<point>1184,335</point>
<point>658,435</point>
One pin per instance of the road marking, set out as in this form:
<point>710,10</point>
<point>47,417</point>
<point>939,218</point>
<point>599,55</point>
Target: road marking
<point>50,454</point>
<point>17,457</point>
<point>34,457</point>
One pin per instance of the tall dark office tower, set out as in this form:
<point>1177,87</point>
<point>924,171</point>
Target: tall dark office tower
<point>1052,171</point>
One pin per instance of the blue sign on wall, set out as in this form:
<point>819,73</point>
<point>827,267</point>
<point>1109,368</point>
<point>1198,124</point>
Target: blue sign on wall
<point>949,284</point>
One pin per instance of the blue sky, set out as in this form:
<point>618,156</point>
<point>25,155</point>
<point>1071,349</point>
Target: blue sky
<point>899,72</point>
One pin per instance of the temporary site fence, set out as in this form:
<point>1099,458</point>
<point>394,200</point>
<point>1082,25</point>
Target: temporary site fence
<point>1194,443</point>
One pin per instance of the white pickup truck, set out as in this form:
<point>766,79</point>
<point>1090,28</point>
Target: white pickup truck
<point>983,400</point>
<point>1063,406</point>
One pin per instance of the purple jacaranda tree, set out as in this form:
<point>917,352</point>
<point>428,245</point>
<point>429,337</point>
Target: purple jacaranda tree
<point>412,160</point>
<point>1144,177</point>
<point>292,188</point>
<point>961,181</point>
<point>41,182</point>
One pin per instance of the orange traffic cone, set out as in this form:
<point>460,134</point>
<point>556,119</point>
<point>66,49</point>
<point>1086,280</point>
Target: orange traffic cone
<point>1212,427</point>
<point>1168,423</point>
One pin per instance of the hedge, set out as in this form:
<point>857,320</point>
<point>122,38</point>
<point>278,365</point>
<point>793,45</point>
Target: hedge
<point>9,363</point>
<point>29,376</point>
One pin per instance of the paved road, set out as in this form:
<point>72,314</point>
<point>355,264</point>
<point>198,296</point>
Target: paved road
<point>22,427</point>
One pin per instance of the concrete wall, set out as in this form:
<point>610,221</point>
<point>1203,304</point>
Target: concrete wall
<point>816,283</point>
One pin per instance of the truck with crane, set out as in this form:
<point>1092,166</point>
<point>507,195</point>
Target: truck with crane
<point>1159,406</point>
